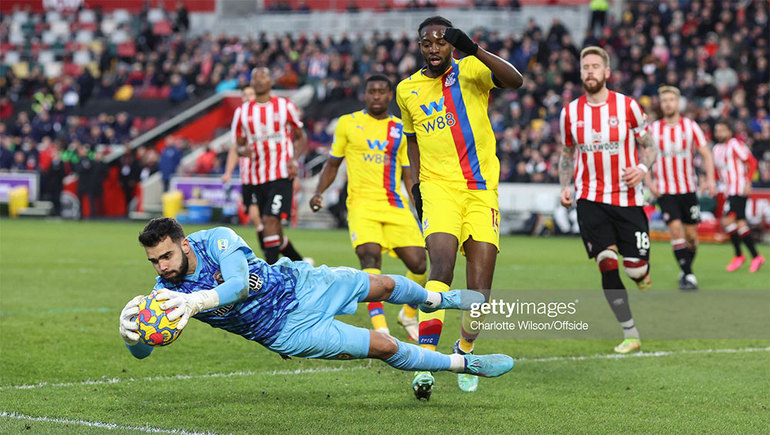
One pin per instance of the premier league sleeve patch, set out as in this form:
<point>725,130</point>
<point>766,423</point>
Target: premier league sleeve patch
<point>222,244</point>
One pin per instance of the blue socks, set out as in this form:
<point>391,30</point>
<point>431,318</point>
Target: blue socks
<point>407,291</point>
<point>410,357</point>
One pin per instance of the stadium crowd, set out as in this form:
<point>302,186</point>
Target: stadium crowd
<point>715,52</point>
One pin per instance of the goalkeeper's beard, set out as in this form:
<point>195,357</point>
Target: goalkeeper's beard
<point>178,275</point>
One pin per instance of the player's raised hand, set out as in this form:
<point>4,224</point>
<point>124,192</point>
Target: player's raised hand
<point>566,197</point>
<point>129,324</point>
<point>316,202</point>
<point>633,176</point>
<point>461,41</point>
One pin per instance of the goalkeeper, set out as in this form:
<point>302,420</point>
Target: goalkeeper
<point>288,307</point>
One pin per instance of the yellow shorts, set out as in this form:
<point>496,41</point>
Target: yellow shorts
<point>462,213</point>
<point>389,227</point>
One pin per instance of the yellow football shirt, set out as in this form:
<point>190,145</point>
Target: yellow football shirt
<point>448,114</point>
<point>375,150</point>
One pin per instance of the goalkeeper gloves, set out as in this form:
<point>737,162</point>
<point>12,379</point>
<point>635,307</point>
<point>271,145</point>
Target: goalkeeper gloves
<point>417,200</point>
<point>129,323</point>
<point>186,305</point>
<point>461,41</point>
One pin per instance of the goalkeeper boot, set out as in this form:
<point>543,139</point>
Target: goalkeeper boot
<point>489,366</point>
<point>409,324</point>
<point>422,385</point>
<point>466,382</point>
<point>455,300</point>
<point>629,345</point>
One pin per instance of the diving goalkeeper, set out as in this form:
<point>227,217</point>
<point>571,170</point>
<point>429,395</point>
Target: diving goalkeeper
<point>288,307</point>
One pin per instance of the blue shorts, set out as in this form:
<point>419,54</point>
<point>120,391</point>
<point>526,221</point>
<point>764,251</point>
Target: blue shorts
<point>311,330</point>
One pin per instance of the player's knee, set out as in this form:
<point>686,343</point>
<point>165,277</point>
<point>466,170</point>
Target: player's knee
<point>368,261</point>
<point>418,265</point>
<point>607,260</point>
<point>636,268</point>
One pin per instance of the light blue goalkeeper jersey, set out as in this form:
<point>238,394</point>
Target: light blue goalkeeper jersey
<point>262,315</point>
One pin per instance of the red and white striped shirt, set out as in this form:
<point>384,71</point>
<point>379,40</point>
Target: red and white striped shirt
<point>267,128</point>
<point>605,138</point>
<point>731,161</point>
<point>674,170</point>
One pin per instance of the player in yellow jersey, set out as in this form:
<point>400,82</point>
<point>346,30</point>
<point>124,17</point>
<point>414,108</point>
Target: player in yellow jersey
<point>455,171</point>
<point>379,218</point>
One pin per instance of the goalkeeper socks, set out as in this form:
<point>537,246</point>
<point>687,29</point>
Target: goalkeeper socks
<point>272,248</point>
<point>735,238</point>
<point>376,310</point>
<point>682,255</point>
<point>287,250</point>
<point>431,324</point>
<point>410,357</point>
<point>745,235</point>
<point>407,291</point>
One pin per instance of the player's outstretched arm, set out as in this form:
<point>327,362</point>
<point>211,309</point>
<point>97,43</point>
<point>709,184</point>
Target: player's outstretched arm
<point>566,174</point>
<point>328,174</point>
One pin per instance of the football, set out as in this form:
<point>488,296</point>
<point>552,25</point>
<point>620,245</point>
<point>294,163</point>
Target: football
<point>155,328</point>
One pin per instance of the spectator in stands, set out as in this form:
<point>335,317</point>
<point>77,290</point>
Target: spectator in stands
<point>128,177</point>
<point>6,108</point>
<point>53,180</point>
<point>182,20</point>
<point>170,157</point>
<point>42,126</point>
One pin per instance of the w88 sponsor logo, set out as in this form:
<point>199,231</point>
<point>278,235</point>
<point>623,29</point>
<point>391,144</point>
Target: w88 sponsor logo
<point>439,123</point>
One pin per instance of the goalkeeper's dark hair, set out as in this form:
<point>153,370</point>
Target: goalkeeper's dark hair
<point>379,78</point>
<point>158,229</point>
<point>437,20</point>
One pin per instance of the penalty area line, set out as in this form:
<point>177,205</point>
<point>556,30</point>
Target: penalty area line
<point>96,424</point>
<point>369,365</point>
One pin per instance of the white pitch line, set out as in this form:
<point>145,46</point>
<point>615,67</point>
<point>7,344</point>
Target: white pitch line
<point>185,377</point>
<point>97,424</point>
<point>346,369</point>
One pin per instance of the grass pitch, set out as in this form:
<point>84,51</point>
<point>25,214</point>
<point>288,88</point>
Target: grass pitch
<point>66,370</point>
